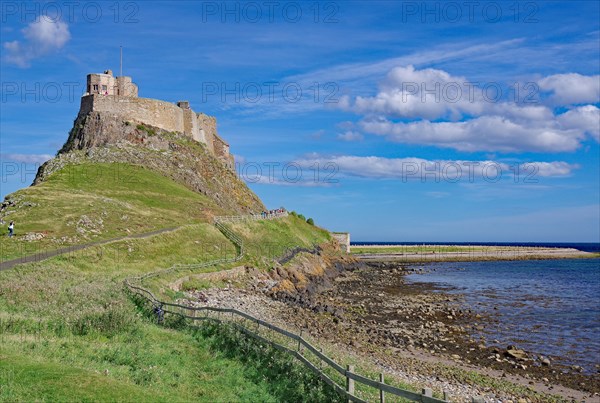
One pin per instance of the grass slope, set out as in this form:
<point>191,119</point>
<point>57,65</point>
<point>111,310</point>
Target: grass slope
<point>89,202</point>
<point>70,315</point>
<point>68,332</point>
<point>269,239</point>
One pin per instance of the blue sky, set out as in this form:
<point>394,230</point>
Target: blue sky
<point>395,121</point>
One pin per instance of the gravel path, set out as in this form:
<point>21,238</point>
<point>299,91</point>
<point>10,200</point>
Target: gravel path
<point>38,257</point>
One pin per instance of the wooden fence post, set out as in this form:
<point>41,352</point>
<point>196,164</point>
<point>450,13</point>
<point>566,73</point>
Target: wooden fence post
<point>349,381</point>
<point>381,392</point>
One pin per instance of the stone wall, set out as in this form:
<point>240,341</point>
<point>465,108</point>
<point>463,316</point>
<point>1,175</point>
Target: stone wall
<point>208,128</point>
<point>344,240</point>
<point>125,87</point>
<point>164,115</point>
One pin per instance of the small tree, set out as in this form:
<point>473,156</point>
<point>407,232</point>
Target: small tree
<point>310,221</point>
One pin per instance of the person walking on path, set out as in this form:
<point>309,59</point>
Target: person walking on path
<point>11,229</point>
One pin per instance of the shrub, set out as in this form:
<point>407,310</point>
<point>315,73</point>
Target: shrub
<point>148,130</point>
<point>310,221</point>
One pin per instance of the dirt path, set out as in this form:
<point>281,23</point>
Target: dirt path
<point>38,257</point>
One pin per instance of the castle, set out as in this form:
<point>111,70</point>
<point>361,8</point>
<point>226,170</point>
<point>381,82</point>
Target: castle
<point>119,96</point>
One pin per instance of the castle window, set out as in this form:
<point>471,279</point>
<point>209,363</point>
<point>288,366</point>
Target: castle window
<point>104,88</point>
<point>95,87</point>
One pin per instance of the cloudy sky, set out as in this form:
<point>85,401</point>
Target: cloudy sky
<point>396,121</point>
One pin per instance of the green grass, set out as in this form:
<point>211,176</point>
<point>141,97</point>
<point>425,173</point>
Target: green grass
<point>69,332</point>
<point>269,239</point>
<point>24,379</point>
<point>89,202</point>
<point>69,317</point>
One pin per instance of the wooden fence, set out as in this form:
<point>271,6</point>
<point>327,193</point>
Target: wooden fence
<point>242,322</point>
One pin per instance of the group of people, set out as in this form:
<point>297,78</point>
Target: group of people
<point>271,213</point>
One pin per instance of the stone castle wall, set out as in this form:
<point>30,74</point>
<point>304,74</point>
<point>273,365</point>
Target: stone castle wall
<point>164,115</point>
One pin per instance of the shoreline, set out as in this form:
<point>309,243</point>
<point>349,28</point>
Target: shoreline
<point>463,253</point>
<point>414,332</point>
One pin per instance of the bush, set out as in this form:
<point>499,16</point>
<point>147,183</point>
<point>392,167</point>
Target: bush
<point>146,129</point>
<point>310,221</point>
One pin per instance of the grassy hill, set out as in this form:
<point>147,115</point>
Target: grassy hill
<point>67,329</point>
<point>95,201</point>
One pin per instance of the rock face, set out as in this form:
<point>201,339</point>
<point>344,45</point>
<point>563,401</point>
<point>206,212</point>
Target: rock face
<point>104,138</point>
<point>309,273</point>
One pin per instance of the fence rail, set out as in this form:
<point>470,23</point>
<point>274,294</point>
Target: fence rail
<point>251,217</point>
<point>133,285</point>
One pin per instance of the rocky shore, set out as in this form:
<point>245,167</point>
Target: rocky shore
<point>417,333</point>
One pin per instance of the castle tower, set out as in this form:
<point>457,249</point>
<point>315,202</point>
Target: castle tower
<point>119,97</point>
<point>106,84</point>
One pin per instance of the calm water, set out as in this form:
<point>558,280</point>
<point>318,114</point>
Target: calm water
<point>549,307</point>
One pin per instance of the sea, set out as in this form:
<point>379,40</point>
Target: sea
<point>546,307</point>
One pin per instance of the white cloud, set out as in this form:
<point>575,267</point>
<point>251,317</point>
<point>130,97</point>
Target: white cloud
<point>584,118</point>
<point>411,168</point>
<point>572,88</point>
<point>485,133</point>
<point>350,136</point>
<point>26,158</point>
<point>549,169</point>
<point>438,109</point>
<point>405,93</point>
<point>42,36</point>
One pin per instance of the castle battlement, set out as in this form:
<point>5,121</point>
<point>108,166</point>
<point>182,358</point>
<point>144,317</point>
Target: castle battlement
<point>118,96</point>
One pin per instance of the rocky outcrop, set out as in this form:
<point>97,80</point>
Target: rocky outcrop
<point>308,273</point>
<point>104,138</point>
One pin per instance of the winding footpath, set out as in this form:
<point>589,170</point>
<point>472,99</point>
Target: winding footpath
<point>43,255</point>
